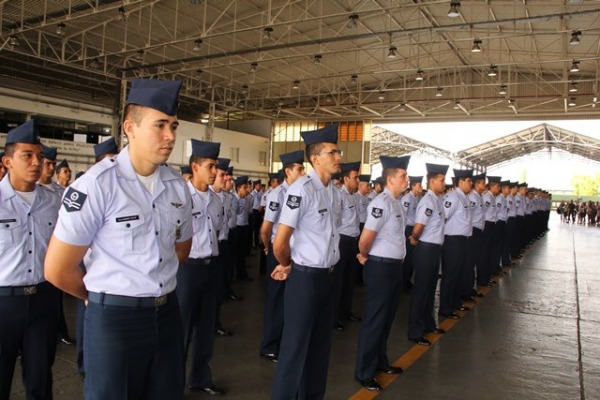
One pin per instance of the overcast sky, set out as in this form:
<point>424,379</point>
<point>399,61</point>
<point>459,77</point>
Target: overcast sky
<point>552,172</point>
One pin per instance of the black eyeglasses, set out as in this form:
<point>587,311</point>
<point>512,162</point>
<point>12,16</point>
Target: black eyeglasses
<point>334,153</point>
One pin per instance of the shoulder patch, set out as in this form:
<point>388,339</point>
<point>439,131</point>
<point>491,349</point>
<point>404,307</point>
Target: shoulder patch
<point>448,204</point>
<point>377,212</point>
<point>406,204</point>
<point>293,202</point>
<point>428,212</point>
<point>273,206</point>
<point>487,203</point>
<point>74,200</point>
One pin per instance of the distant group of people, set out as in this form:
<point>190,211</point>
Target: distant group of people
<point>579,212</point>
<point>152,256</point>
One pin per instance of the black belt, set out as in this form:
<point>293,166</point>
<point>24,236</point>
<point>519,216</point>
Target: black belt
<point>427,244</point>
<point>348,237</point>
<point>18,290</point>
<point>312,270</point>
<point>127,301</point>
<point>384,260</point>
<point>203,261</point>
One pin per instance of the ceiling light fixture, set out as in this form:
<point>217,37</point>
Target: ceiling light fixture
<point>493,70</point>
<point>13,41</point>
<point>253,67</point>
<point>296,84</point>
<point>199,72</point>
<point>139,55</point>
<point>197,44</point>
<point>354,79</point>
<point>476,46</point>
<point>95,63</point>
<point>454,9</point>
<point>402,106</point>
<point>502,90</point>
<point>573,87</point>
<point>60,29</point>
<point>420,75</point>
<point>267,33</point>
<point>328,99</point>
<point>317,59</point>
<point>244,89</point>
<point>574,66</point>
<point>352,21</point>
<point>439,92</point>
<point>572,102</point>
<point>381,95</point>
<point>392,52</point>
<point>511,103</point>
<point>575,38</point>
<point>122,16</point>
<point>456,105</point>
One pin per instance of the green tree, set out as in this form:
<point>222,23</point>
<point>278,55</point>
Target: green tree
<point>586,185</point>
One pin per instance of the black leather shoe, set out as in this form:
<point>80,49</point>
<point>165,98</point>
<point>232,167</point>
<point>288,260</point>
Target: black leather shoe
<point>438,331</point>
<point>224,332</point>
<point>391,370</point>
<point>210,390</point>
<point>269,357</point>
<point>463,308</point>
<point>338,326</point>
<point>479,294</point>
<point>421,341</point>
<point>451,316</point>
<point>234,297</point>
<point>69,341</point>
<point>354,318</point>
<point>370,384</point>
<point>469,300</point>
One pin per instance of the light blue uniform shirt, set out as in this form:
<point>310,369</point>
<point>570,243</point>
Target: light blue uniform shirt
<point>274,202</point>
<point>386,217</point>
<point>510,204</point>
<point>131,233</point>
<point>24,234</point>
<point>410,202</point>
<point>431,214</point>
<point>459,221</point>
<point>501,207</point>
<point>349,225</point>
<point>206,220</point>
<point>363,203</point>
<point>224,227</point>
<point>242,216</point>
<point>489,205</point>
<point>372,194</point>
<point>256,196</point>
<point>519,205</point>
<point>263,198</point>
<point>312,210</point>
<point>477,210</point>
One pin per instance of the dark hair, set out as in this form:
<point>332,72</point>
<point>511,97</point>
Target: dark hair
<point>134,112</point>
<point>313,149</point>
<point>386,173</point>
<point>237,186</point>
<point>9,151</point>
<point>431,176</point>
<point>345,174</point>
<point>197,159</point>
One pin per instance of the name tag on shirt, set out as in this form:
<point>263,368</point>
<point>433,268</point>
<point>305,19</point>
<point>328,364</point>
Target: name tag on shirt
<point>128,218</point>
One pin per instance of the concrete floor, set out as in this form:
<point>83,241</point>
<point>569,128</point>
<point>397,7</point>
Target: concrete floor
<point>535,335</point>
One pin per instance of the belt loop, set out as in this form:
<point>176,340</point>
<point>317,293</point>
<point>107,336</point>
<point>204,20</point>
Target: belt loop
<point>101,300</point>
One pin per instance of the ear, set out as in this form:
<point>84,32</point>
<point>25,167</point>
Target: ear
<point>128,128</point>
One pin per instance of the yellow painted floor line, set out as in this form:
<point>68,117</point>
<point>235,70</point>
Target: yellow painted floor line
<point>416,352</point>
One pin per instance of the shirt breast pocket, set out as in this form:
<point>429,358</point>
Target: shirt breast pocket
<point>172,225</point>
<point>132,234</point>
<point>45,226</point>
<point>9,231</point>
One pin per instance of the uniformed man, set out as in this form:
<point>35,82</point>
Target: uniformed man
<point>511,223</point>
<point>475,240</point>
<point>199,276</point>
<point>273,183</point>
<point>134,213</point>
<point>344,274</point>
<point>63,173</point>
<point>270,345</point>
<point>428,238</point>
<point>186,173</point>
<point>520,227</point>
<point>488,258</point>
<point>232,224</point>
<point>502,208</point>
<point>311,214</point>
<point>410,201</point>
<point>364,188</point>
<point>224,258</point>
<point>336,179</point>
<point>381,251</point>
<point>108,148</point>
<point>2,167</point>
<point>457,230</point>
<point>242,236</point>
<point>377,188</point>
<point>29,305</point>
<point>256,218</point>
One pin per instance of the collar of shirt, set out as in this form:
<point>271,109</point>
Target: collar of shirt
<point>125,169</point>
<point>316,181</point>
<point>6,190</point>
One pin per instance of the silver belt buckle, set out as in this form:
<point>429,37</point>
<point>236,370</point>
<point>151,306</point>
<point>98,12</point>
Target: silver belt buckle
<point>160,301</point>
<point>331,269</point>
<point>29,290</point>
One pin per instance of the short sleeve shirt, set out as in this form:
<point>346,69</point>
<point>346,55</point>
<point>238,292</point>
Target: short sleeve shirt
<point>431,214</point>
<point>386,217</point>
<point>206,220</point>
<point>349,225</point>
<point>273,205</point>
<point>458,214</point>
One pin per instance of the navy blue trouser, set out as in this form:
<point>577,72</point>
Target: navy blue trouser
<point>29,324</point>
<point>426,262</point>
<point>407,265</point>
<point>133,353</point>
<point>197,292</point>
<point>344,277</point>
<point>472,259</point>
<point>483,263</point>
<point>499,238</point>
<point>454,253</point>
<point>507,244</point>
<point>273,317</point>
<point>383,283</point>
<point>306,342</point>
